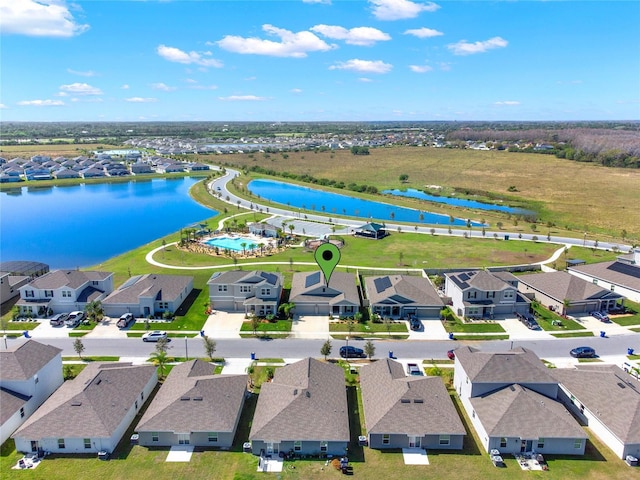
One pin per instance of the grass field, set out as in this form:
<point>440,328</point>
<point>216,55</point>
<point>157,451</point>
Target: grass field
<point>543,182</point>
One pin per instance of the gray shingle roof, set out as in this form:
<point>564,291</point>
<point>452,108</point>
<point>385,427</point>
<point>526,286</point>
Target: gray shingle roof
<point>23,361</point>
<point>478,279</point>
<point>92,405</point>
<point>609,393</point>
<point>309,287</point>
<point>254,277</point>
<point>515,366</point>
<point>563,285</point>
<point>193,399</point>
<point>405,289</point>
<point>616,272</point>
<point>306,400</point>
<point>151,285</point>
<point>67,278</point>
<point>516,411</point>
<point>385,386</point>
<point>10,403</point>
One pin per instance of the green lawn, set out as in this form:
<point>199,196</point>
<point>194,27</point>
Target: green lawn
<point>266,326</point>
<point>572,334</point>
<point>454,324</point>
<point>632,318</point>
<point>92,359</point>
<point>551,321</point>
<point>21,325</point>
<point>367,327</point>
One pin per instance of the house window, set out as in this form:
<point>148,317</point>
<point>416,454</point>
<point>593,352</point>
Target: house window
<point>61,443</point>
<point>445,439</point>
<point>155,436</point>
<point>595,281</point>
<point>323,446</point>
<point>540,443</point>
<point>613,288</point>
<point>503,442</point>
<point>471,294</point>
<point>509,293</point>
<point>577,443</point>
<point>491,294</point>
<point>222,288</point>
<point>297,445</point>
<point>212,437</point>
<point>245,288</point>
<point>95,283</point>
<point>136,404</point>
<point>87,443</point>
<point>22,412</point>
<point>163,305</point>
<point>141,396</point>
<point>66,294</point>
<point>265,291</point>
<point>386,439</point>
<point>36,379</point>
<point>473,413</point>
<point>48,293</point>
<point>29,293</point>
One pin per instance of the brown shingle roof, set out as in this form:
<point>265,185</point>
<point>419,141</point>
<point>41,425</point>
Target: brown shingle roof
<point>306,400</point>
<point>404,289</point>
<point>610,394</point>
<point>193,399</point>
<point>10,403</point>
<point>151,285</point>
<point>309,287</point>
<point>395,403</point>
<point>92,405</point>
<point>614,272</point>
<point>563,285</point>
<point>23,361</point>
<point>68,278</point>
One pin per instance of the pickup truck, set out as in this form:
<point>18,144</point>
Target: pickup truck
<point>413,369</point>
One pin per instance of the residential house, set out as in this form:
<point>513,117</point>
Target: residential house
<point>150,294</point>
<point>194,407</point>
<point>92,172</point>
<point>90,413</point>
<point>511,399</point>
<point>312,296</point>
<point>399,296</point>
<point>607,400</point>
<point>621,275</point>
<point>37,172</point>
<point>63,291</point>
<point>140,168</point>
<point>29,373</point>
<point>254,291</point>
<point>302,410</point>
<point>65,173</point>
<point>408,411</point>
<point>198,167</point>
<point>263,229</point>
<point>10,284</point>
<point>567,294</point>
<point>484,294</point>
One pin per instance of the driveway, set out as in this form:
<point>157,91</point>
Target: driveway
<point>518,331</point>
<point>432,329</point>
<point>596,326</point>
<point>310,326</point>
<point>45,330</point>
<point>223,325</point>
<point>107,329</point>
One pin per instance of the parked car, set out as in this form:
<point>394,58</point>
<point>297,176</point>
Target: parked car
<point>125,320</point>
<point>347,352</point>
<point>600,316</point>
<point>451,355</point>
<point>413,369</point>
<point>154,336</point>
<point>58,320</point>
<point>583,352</point>
<point>74,319</point>
<point>528,321</point>
<point>415,324</point>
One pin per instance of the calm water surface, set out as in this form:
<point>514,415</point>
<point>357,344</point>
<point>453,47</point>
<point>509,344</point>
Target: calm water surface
<point>84,225</point>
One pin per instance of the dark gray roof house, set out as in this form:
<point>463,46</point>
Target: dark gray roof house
<point>304,410</point>
<point>607,399</point>
<point>255,291</point>
<point>408,411</point>
<point>398,296</point>
<point>90,413</point>
<point>194,406</point>
<point>555,289</point>
<point>312,296</point>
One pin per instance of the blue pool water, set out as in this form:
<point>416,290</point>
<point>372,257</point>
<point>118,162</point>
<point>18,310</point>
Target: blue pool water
<point>458,202</point>
<point>318,201</point>
<point>231,243</point>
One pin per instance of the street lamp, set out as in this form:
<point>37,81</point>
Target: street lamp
<point>584,242</point>
<point>186,348</point>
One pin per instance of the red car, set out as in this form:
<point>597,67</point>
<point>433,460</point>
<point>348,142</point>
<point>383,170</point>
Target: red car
<point>451,354</point>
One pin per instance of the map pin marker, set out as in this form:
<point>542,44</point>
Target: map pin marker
<point>327,257</point>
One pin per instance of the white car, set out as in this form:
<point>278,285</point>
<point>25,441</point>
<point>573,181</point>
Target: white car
<point>74,319</point>
<point>58,320</point>
<point>154,336</point>
<point>125,320</point>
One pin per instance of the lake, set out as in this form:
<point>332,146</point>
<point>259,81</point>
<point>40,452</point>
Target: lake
<point>458,202</point>
<point>84,225</point>
<point>319,201</point>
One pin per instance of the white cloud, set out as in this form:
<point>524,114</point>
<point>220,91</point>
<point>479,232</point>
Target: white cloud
<point>140,100</point>
<point>291,44</point>
<point>162,86</point>
<point>296,90</point>
<point>326,2</point>
<point>365,66</point>
<point>174,54</point>
<point>423,32</point>
<point>400,9</point>
<point>190,80</point>
<point>465,48</point>
<point>242,98</point>
<point>79,89</point>
<point>87,100</point>
<point>203,87</point>
<point>363,36</point>
<point>508,102</point>
<point>2,106</point>
<point>41,18</point>
<point>365,80</point>
<point>125,87</point>
<point>420,68</point>
<point>41,103</point>
<point>88,73</point>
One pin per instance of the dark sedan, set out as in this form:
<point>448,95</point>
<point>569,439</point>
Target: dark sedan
<point>583,352</point>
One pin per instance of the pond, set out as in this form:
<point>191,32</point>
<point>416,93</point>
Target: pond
<point>84,225</point>
<point>319,201</point>
<point>458,202</point>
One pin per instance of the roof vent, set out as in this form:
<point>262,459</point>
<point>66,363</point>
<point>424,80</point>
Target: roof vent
<point>76,403</point>
<point>197,399</point>
<point>308,394</point>
<point>418,400</point>
<point>295,391</point>
<point>405,400</point>
<point>622,385</point>
<point>185,398</point>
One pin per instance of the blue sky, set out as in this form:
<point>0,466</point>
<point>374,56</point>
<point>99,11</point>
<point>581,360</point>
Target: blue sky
<point>311,60</point>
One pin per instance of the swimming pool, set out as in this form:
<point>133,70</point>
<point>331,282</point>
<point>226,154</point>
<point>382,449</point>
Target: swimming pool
<point>232,243</point>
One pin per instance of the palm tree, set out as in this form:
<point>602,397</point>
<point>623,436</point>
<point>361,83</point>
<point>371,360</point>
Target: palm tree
<point>244,247</point>
<point>291,228</point>
<point>160,359</point>
<point>94,311</point>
